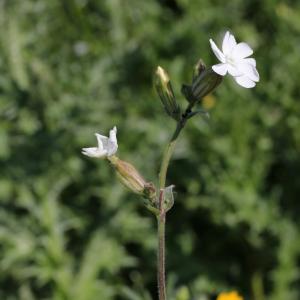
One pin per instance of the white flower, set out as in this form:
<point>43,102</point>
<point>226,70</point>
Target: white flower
<point>107,146</point>
<point>234,60</point>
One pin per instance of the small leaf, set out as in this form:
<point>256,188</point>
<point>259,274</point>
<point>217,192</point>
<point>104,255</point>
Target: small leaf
<point>168,197</point>
<point>203,112</point>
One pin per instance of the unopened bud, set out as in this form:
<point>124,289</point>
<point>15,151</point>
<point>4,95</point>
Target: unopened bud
<point>164,89</point>
<point>132,179</point>
<point>205,83</point>
<point>198,69</point>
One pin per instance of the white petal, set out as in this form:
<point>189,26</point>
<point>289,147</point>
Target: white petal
<point>228,43</point>
<point>93,152</point>
<point>220,69</point>
<point>100,136</point>
<point>112,144</point>
<point>241,50</point>
<point>111,148</point>
<point>250,61</point>
<point>249,71</point>
<point>217,51</point>
<point>244,81</point>
<point>113,135</point>
<point>233,71</point>
<point>102,140</point>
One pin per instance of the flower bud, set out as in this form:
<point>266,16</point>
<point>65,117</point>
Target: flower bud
<point>198,69</point>
<point>164,89</point>
<point>205,83</point>
<point>132,179</point>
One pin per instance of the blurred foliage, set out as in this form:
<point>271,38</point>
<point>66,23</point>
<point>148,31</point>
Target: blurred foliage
<point>69,230</point>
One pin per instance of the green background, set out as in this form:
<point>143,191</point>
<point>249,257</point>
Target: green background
<point>68,228</point>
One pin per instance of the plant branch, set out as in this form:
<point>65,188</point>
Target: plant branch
<point>161,216</point>
<point>167,156</point>
<point>170,147</point>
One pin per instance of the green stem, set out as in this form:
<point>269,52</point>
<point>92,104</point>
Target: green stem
<point>161,223</point>
<point>168,153</point>
<point>170,147</point>
<point>161,218</point>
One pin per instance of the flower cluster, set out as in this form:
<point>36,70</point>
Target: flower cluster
<point>235,60</point>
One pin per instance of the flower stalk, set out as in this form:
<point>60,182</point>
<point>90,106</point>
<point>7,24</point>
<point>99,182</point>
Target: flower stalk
<point>161,216</point>
<point>167,156</point>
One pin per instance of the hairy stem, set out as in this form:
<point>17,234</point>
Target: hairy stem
<point>161,222</point>
<point>161,217</point>
<point>167,155</point>
<point>170,147</point>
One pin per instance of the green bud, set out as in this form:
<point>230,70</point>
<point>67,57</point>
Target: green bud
<point>132,179</point>
<point>198,69</point>
<point>204,84</point>
<point>164,89</point>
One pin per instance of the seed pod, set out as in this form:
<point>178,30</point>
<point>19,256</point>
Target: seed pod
<point>132,179</point>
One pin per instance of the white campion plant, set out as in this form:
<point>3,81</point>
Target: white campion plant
<point>235,60</point>
<point>159,198</point>
<point>107,146</point>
